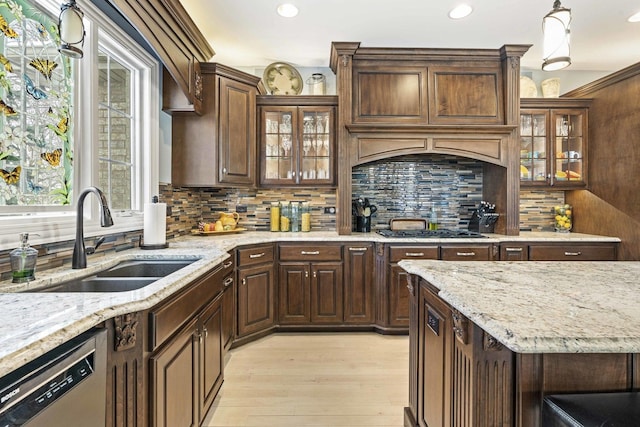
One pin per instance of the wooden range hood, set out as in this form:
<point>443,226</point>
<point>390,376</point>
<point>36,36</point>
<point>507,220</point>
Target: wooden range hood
<point>464,102</point>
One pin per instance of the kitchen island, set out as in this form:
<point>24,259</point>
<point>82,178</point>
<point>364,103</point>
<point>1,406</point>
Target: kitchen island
<point>490,340</point>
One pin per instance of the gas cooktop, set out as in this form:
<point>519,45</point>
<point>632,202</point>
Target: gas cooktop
<point>435,234</point>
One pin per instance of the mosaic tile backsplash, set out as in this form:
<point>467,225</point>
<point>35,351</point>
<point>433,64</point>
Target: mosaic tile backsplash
<point>409,186</point>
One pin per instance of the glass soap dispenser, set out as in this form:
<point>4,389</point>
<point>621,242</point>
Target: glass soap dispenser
<point>23,261</point>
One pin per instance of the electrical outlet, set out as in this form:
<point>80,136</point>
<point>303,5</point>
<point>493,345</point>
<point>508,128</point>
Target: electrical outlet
<point>241,208</point>
<point>330,210</point>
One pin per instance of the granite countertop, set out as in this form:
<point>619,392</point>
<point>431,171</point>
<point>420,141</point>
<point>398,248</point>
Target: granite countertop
<point>544,307</point>
<point>33,323</point>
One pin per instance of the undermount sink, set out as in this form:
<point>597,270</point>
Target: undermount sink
<point>125,276</point>
<point>145,268</point>
<point>101,284</point>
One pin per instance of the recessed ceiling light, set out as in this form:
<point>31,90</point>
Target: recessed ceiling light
<point>287,10</point>
<point>634,18</point>
<point>460,11</point>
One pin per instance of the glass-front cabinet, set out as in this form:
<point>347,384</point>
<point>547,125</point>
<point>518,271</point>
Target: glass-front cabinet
<point>553,142</point>
<point>297,141</point>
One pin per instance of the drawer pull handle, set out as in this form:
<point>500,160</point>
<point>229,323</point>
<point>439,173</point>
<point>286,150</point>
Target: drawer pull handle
<point>513,249</point>
<point>410,287</point>
<point>260,255</point>
<point>572,253</point>
<point>357,249</point>
<point>227,264</point>
<point>465,253</point>
<point>414,254</point>
<point>310,252</point>
<point>228,282</point>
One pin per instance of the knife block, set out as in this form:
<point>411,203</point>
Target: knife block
<point>484,223</point>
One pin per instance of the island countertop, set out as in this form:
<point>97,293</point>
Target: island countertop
<point>33,323</point>
<point>544,307</point>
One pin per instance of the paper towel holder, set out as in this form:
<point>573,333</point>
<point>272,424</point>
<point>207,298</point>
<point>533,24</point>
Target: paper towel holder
<point>164,245</point>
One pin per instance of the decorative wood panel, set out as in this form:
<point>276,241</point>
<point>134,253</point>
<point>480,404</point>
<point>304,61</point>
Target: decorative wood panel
<point>326,293</point>
<point>465,96</point>
<point>489,149</point>
<point>371,149</point>
<point>384,94</point>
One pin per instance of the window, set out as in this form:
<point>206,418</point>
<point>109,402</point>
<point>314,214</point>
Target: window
<point>93,121</point>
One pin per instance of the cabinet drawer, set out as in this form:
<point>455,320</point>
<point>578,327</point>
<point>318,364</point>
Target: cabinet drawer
<point>396,253</point>
<point>466,253</point>
<point>168,317</point>
<point>255,255</point>
<point>572,253</point>
<point>310,253</point>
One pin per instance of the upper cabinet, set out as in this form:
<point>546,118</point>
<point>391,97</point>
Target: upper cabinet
<point>297,140</point>
<point>180,49</point>
<point>218,147</point>
<point>553,142</point>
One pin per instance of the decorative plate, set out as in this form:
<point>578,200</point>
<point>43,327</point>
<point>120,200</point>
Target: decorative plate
<point>208,233</point>
<point>282,79</point>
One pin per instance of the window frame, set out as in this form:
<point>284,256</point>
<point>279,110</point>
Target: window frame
<point>58,223</point>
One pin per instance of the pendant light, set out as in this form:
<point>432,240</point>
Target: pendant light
<point>71,30</point>
<point>555,29</point>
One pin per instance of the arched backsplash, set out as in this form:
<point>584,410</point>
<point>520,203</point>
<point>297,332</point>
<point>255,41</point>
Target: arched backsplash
<point>409,186</point>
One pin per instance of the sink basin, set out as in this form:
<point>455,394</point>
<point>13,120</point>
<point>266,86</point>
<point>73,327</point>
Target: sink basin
<point>101,284</point>
<point>145,268</point>
<point>126,276</point>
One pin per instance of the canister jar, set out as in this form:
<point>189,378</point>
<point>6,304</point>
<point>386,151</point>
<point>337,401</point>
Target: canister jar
<point>275,216</point>
<point>305,217</point>
<point>285,216</point>
<point>316,84</point>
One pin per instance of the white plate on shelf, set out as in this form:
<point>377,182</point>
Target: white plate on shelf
<point>528,88</point>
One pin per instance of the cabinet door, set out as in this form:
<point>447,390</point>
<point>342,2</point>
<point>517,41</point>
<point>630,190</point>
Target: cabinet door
<point>398,296</point>
<point>534,151</point>
<point>237,133</point>
<point>435,341</point>
<point>316,145</point>
<point>569,134</point>
<point>358,284</point>
<point>279,147</point>
<point>211,354</point>
<point>295,294</point>
<point>228,313</point>
<point>326,292</point>
<point>174,381</point>
<point>255,299</point>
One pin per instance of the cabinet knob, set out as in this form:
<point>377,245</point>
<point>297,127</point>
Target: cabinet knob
<point>206,332</point>
<point>244,281</point>
<point>224,171</point>
<point>315,274</point>
<point>306,274</point>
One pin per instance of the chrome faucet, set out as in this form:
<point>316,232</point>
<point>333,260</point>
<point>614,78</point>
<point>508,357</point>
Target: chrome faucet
<point>79,252</point>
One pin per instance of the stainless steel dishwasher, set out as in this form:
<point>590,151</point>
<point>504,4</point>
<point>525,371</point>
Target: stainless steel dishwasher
<point>65,387</point>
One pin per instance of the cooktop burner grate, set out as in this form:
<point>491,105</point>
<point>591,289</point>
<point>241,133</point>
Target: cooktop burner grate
<point>435,234</point>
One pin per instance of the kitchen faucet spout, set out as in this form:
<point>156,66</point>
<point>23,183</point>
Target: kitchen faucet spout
<point>79,259</point>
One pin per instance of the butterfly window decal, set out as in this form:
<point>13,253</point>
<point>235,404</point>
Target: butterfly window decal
<point>36,92</point>
<point>13,177</point>
<point>44,66</point>
<point>52,157</point>
<point>6,29</point>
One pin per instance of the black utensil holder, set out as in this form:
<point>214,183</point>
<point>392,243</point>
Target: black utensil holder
<point>363,224</point>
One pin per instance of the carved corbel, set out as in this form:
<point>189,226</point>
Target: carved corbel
<point>460,326</point>
<point>489,343</point>
<point>345,60</point>
<point>125,331</point>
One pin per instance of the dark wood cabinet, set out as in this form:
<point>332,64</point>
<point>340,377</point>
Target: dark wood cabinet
<point>255,289</point>
<point>186,363</point>
<point>310,284</point>
<point>553,142</point>
<point>559,251</point>
<point>218,147</point>
<point>174,387</point>
<point>297,140</point>
<point>211,355</point>
<point>468,252</point>
<point>359,288</point>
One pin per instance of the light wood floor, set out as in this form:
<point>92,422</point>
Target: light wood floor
<point>316,379</point>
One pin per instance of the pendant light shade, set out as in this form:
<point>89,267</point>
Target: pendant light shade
<point>555,29</point>
<point>71,30</point>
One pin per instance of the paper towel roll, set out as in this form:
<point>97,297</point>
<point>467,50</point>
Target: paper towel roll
<point>155,223</point>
